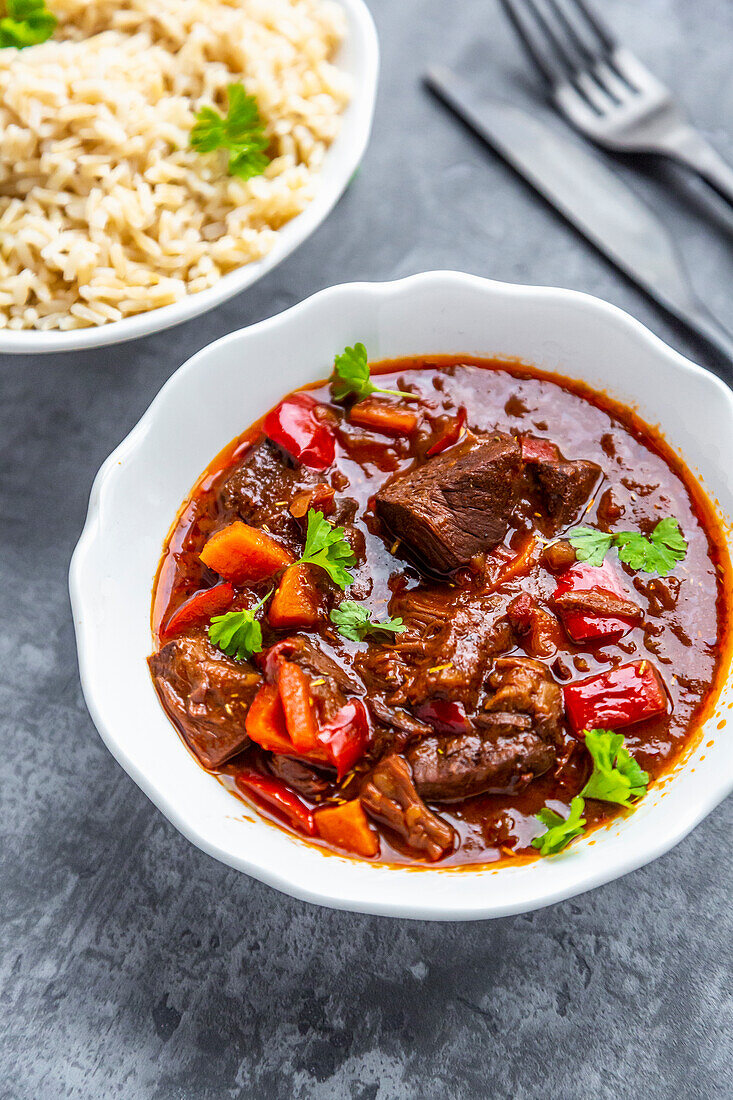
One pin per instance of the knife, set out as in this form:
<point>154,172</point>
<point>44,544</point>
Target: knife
<point>591,197</point>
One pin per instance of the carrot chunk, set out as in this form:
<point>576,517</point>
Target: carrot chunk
<point>240,554</point>
<point>347,827</point>
<point>382,417</point>
<point>295,603</point>
<point>265,721</point>
<point>298,707</point>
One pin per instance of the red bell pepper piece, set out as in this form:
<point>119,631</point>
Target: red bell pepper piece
<point>450,435</point>
<point>587,578</point>
<point>294,426</point>
<point>444,715</point>
<point>269,660</point>
<point>298,706</point>
<point>620,697</point>
<point>341,741</point>
<point>346,736</point>
<point>538,450</point>
<point>277,796</point>
<point>199,609</point>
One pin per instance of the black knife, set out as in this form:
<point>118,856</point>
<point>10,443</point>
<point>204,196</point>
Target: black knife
<point>592,198</point>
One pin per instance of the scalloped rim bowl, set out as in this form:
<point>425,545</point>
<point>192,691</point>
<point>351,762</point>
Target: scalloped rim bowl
<point>142,484</point>
<point>358,56</point>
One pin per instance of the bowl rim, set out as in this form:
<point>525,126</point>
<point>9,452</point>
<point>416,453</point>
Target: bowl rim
<point>619,860</point>
<point>344,156</point>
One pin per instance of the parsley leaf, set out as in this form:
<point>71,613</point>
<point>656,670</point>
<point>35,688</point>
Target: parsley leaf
<point>326,547</point>
<point>26,23</point>
<point>657,554</point>
<point>354,621</point>
<point>241,131</point>
<point>351,376</point>
<point>616,775</point>
<point>237,633</point>
<point>560,831</point>
<point>590,545</point>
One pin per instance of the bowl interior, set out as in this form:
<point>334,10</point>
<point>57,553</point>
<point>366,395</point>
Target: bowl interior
<point>142,485</point>
<point>359,57</point>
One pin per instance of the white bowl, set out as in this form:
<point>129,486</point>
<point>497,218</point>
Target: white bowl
<point>359,57</point>
<point>142,484</point>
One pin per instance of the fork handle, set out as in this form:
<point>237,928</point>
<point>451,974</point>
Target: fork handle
<point>686,145</point>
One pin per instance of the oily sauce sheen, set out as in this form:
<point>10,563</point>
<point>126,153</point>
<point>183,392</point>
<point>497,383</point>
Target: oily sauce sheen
<point>684,625</point>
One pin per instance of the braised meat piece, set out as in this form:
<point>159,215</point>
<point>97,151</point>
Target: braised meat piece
<point>262,487</point>
<point>446,650</point>
<point>564,484</point>
<point>398,719</point>
<point>597,602</point>
<point>455,504</point>
<point>460,656</point>
<point>207,694</point>
<point>390,797</point>
<point>538,628</point>
<point>522,685</point>
<point>448,768</point>
<point>300,776</point>
<point>507,746</point>
<point>566,487</point>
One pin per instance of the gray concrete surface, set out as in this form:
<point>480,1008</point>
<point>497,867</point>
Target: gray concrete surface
<point>135,966</point>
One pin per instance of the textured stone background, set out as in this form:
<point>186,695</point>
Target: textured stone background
<point>135,966</point>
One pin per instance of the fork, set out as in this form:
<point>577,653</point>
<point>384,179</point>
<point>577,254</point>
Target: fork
<point>606,92</point>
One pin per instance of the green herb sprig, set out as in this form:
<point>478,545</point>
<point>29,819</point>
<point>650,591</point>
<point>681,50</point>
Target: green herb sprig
<point>660,553</point>
<point>26,23</point>
<point>238,633</point>
<point>328,548</point>
<point>560,831</point>
<point>351,376</point>
<point>354,621</point>
<point>616,775</point>
<point>241,131</point>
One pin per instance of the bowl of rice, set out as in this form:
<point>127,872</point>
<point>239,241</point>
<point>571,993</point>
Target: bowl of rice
<point>112,224</point>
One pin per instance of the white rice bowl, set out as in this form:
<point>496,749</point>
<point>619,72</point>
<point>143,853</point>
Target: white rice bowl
<point>105,210</point>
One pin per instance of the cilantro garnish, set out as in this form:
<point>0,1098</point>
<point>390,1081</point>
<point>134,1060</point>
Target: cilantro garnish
<point>560,831</point>
<point>589,545</point>
<point>354,621</point>
<point>665,547</point>
<point>616,775</point>
<point>26,23</point>
<point>657,554</point>
<point>237,633</point>
<point>327,547</point>
<point>351,376</point>
<point>241,131</point>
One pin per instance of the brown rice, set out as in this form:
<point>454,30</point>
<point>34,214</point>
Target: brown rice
<point>104,209</point>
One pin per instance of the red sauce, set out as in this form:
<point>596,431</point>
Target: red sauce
<point>684,630</point>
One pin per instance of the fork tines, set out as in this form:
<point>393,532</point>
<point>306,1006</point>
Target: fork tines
<point>566,41</point>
